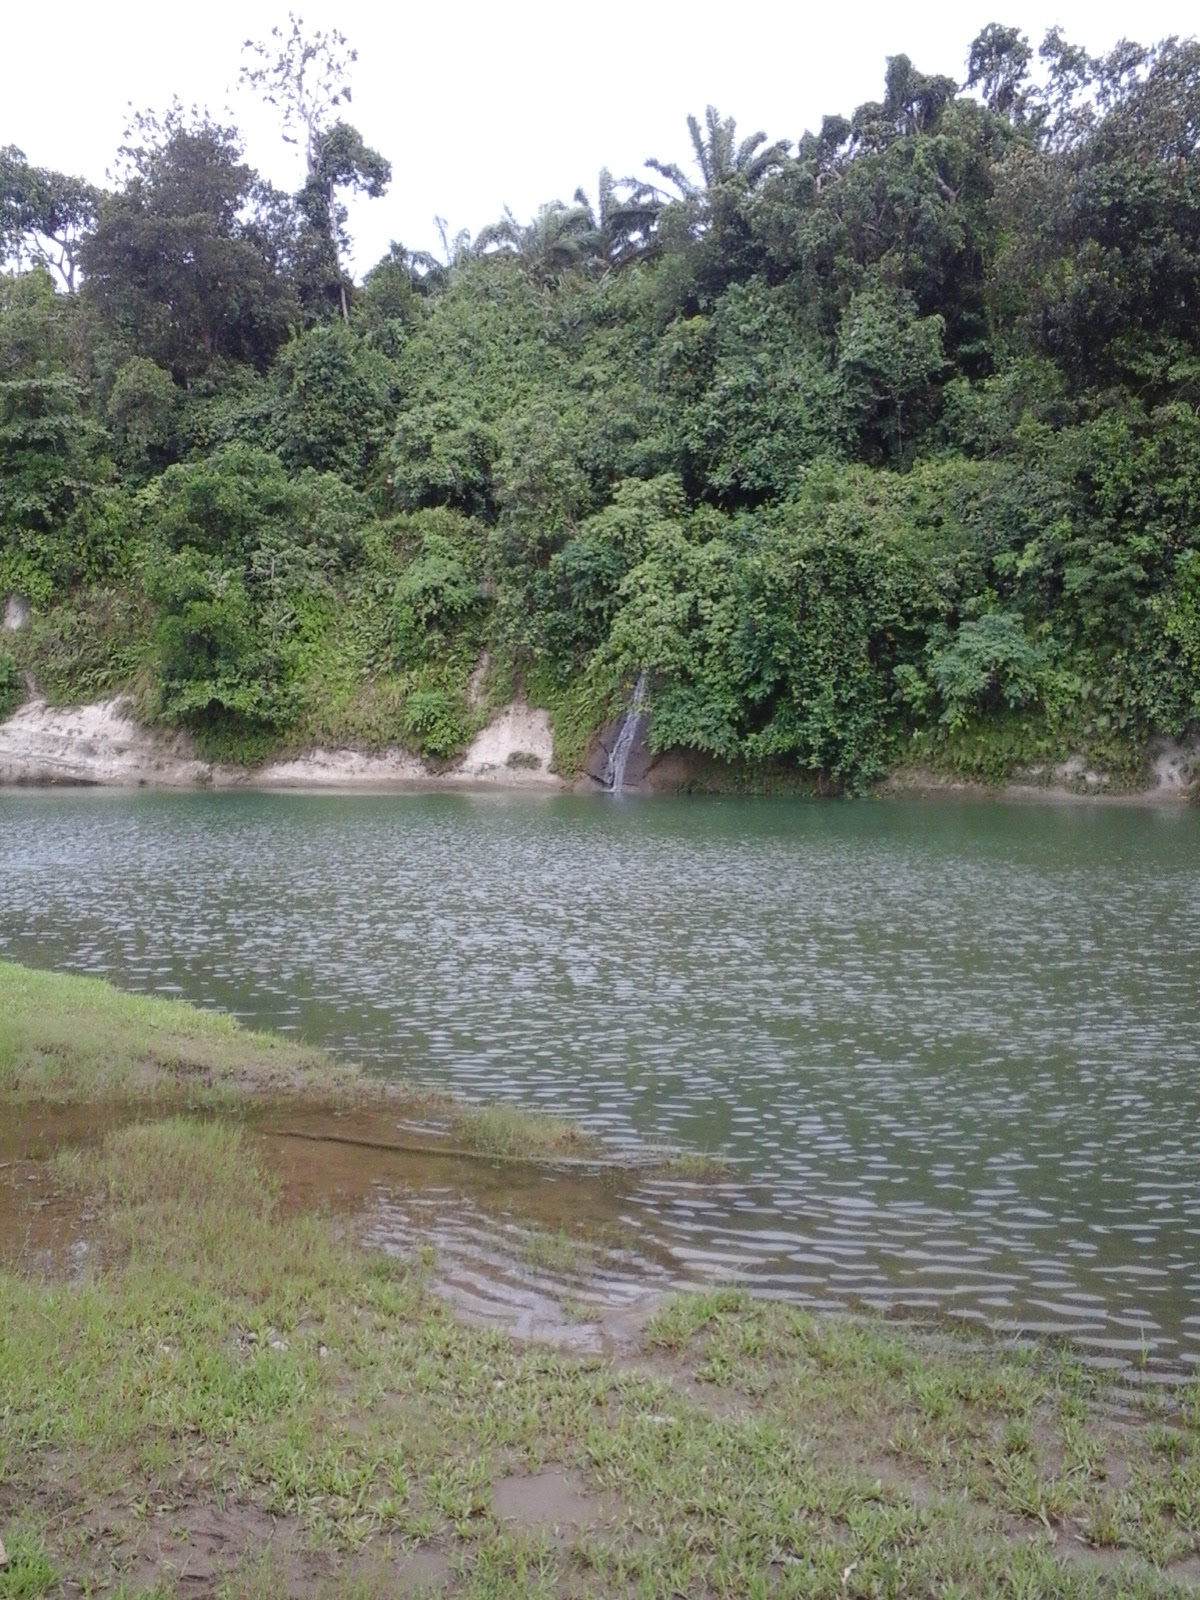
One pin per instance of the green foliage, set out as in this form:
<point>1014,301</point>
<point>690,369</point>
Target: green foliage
<point>678,620</point>
<point>586,573</point>
<point>141,415</point>
<point>241,542</point>
<point>1101,221</point>
<point>888,359</point>
<point>766,406</point>
<point>333,405</point>
<point>240,504</point>
<point>539,484</point>
<point>982,418</point>
<point>886,445</point>
<point>558,238</point>
<point>441,456</point>
<point>988,662</point>
<point>775,637</point>
<point>1170,669</point>
<point>181,260</point>
<point>222,658</point>
<point>43,214</point>
<point>229,403</point>
<point>41,333</point>
<point>436,721</point>
<point>50,464</point>
<point>339,161</point>
<point>387,304</point>
<point>44,439</point>
<point>304,76</point>
<point>11,688</point>
<point>88,646</point>
<point>435,596</point>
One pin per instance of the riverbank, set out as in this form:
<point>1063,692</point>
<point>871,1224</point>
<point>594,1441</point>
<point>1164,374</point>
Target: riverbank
<point>68,1039</point>
<point>214,1389</point>
<point>102,745</point>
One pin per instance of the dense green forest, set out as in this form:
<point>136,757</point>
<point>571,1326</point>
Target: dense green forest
<point>876,448</point>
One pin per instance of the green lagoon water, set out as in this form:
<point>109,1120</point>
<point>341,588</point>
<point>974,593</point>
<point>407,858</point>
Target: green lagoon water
<point>954,1048</point>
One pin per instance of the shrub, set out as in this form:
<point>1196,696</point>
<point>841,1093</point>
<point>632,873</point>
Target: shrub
<point>989,663</point>
<point>436,722</point>
<point>435,595</point>
<point>11,691</point>
<point>224,666</point>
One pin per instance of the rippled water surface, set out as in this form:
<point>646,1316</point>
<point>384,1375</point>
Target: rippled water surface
<point>953,1048</point>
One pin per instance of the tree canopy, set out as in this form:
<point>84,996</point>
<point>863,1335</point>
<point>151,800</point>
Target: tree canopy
<point>872,444</point>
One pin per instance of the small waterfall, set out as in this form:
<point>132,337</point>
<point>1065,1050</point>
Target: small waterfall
<point>631,723</point>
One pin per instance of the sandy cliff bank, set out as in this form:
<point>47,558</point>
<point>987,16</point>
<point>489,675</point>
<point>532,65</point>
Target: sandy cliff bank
<point>102,744</point>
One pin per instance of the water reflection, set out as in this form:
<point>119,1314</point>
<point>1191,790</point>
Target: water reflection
<point>953,1049</point>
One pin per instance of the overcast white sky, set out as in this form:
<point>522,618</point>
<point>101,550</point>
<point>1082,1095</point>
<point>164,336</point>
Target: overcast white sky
<point>513,102</point>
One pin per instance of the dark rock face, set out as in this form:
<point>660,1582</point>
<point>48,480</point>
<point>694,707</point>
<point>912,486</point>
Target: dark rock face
<point>638,761</point>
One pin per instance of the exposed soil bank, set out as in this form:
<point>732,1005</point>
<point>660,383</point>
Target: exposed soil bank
<point>1172,775</point>
<point>101,744</point>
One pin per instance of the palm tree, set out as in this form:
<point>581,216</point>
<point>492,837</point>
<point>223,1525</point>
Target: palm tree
<point>430,272</point>
<point>721,159</point>
<point>557,239</point>
<point>624,217</point>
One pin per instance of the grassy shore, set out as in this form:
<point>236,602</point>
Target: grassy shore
<point>66,1038</point>
<point>222,1396</point>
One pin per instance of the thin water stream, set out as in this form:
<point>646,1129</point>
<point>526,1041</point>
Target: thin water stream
<point>953,1049</point>
<point>630,727</point>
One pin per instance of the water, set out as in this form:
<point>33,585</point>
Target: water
<point>631,723</point>
<point>540,1252</point>
<point>953,1048</point>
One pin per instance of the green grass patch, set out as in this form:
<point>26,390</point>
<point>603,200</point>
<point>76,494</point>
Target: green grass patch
<point>12,690</point>
<point>234,1366</point>
<point>230,1397</point>
<point>507,1131</point>
<point>67,1037</point>
<point>89,647</point>
<point>1007,746</point>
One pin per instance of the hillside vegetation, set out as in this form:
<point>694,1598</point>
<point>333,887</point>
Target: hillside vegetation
<point>874,448</point>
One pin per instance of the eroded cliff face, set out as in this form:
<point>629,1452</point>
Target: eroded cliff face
<point>94,744</point>
<point>102,744</point>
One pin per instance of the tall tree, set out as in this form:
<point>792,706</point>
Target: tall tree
<point>721,158</point>
<point>43,215</point>
<point>1099,220</point>
<point>912,103</point>
<point>342,164</point>
<point>306,77</point>
<point>705,231</point>
<point>998,66</point>
<point>185,258</point>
